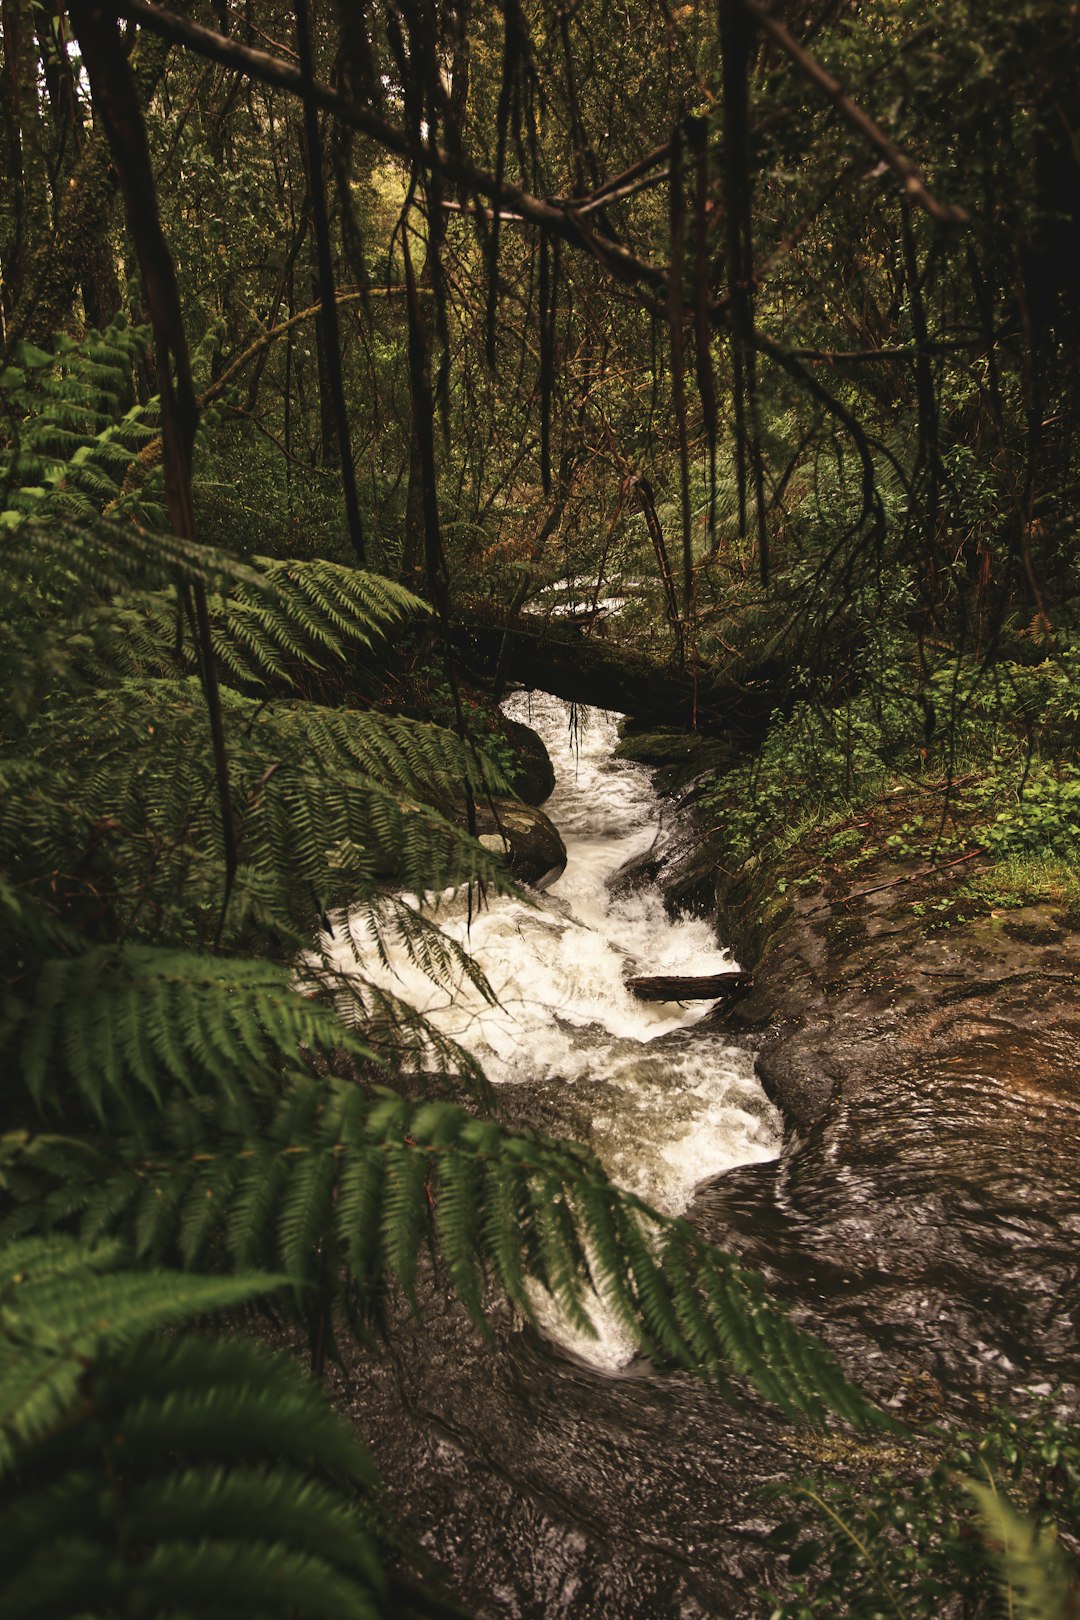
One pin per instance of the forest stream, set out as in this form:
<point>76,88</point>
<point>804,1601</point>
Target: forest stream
<point>714,364</point>
<point>919,1213</point>
<point>664,1103</point>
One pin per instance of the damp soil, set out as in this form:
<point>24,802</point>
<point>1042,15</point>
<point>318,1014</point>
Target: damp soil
<point>922,1218</point>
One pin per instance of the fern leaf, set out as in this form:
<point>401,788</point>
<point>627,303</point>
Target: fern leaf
<point>379,1177</point>
<point>177,1475</point>
<point>61,1304</point>
<point>114,1016</point>
<point>1034,1572</point>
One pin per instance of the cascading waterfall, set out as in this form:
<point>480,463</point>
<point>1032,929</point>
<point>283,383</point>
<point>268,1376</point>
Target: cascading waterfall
<point>664,1105</point>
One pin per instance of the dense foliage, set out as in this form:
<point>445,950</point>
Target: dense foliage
<point>192,1083</point>
<point>315,328</point>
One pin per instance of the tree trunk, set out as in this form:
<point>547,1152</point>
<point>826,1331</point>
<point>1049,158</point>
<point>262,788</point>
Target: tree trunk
<point>658,987</point>
<point>28,203</point>
<point>59,261</point>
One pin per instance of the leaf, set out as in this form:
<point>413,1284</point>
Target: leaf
<point>30,356</point>
<point>1037,1577</point>
<point>805,1554</point>
<point>177,1474</point>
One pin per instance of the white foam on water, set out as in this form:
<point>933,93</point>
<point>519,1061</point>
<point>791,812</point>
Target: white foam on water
<point>674,1110</point>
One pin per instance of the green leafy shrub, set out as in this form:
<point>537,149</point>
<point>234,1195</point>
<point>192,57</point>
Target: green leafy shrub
<point>978,1530</point>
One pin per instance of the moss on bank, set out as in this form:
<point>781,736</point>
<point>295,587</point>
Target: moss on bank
<point>1005,836</point>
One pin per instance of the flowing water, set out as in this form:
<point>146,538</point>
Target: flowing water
<point>924,1224</point>
<point>663,1104</point>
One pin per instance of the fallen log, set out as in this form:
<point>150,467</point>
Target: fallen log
<point>705,987</point>
<point>554,656</point>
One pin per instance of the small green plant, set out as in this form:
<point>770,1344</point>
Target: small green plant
<point>1020,880</point>
<point>1041,815</point>
<point>978,1526</point>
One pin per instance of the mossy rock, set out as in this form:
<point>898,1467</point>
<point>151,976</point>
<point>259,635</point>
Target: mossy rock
<point>533,775</point>
<point>534,851</point>
<point>676,757</point>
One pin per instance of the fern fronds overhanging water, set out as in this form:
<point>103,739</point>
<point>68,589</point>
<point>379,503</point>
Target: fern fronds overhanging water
<point>185,1094</point>
<point>331,1181</point>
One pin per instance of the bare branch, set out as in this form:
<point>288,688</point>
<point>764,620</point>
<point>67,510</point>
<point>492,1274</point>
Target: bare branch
<point>553,216</point>
<point>812,70</point>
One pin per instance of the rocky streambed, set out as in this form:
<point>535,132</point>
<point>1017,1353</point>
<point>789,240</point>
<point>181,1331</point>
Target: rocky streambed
<point>922,1218</point>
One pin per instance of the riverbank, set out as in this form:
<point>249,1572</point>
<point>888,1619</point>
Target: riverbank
<point>917,1027</point>
<point>921,1219</point>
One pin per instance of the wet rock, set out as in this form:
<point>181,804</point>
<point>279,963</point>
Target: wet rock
<point>678,863</point>
<point>550,1492</point>
<point>924,1214</point>
<point>531,843</point>
<point>636,873</point>
<point>677,758</point>
<point>923,1219</point>
<point>533,777</point>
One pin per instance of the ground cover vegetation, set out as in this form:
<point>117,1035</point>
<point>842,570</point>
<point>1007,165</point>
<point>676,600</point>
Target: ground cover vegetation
<point>320,327</point>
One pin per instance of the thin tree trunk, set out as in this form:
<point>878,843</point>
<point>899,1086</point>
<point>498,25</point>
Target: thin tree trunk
<point>56,270</point>
<point>28,177</point>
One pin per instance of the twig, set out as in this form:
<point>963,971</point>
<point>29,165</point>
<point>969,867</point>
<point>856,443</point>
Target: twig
<point>811,69</point>
<point>618,181</point>
<point>290,455</point>
<point>910,877</point>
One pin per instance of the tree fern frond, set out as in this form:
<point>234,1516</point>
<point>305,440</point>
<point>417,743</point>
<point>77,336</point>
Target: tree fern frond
<point>303,1227</point>
<point>62,1303</point>
<point>179,1475</point>
<point>384,1176</point>
<point>1034,1572</point>
<point>120,794</point>
<point>114,1017</point>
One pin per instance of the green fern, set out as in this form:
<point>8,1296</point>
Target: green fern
<point>72,445</point>
<point>333,1181</point>
<point>1037,1581</point>
<point>113,1018</point>
<point>176,1475</point>
<point>112,586</point>
<point>61,1305</point>
<point>271,619</point>
<point>120,786</point>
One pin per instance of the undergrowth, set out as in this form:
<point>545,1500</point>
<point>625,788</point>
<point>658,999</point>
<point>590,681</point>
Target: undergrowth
<point>978,1525</point>
<point>880,779</point>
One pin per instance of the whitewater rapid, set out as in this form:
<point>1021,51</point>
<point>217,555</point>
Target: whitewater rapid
<point>668,1105</point>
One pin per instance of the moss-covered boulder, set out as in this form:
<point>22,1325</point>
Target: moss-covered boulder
<point>533,775</point>
<point>534,851</point>
<point>676,757</point>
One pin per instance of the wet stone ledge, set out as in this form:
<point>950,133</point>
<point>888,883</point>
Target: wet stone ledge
<point>923,1218</point>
